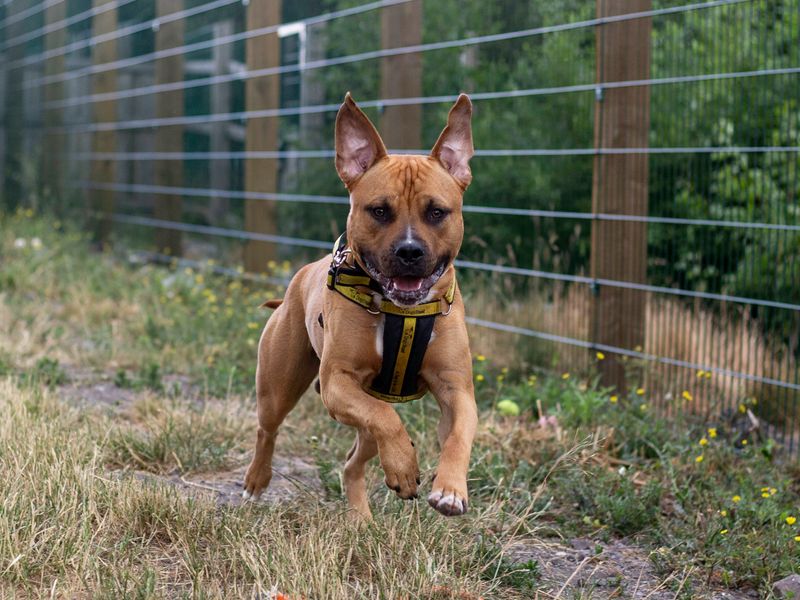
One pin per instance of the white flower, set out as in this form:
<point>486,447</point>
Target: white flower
<point>20,243</point>
<point>36,243</point>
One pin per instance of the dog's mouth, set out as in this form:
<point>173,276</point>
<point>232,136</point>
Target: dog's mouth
<point>406,290</point>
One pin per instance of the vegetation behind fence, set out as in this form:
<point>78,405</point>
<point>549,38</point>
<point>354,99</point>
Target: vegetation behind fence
<point>636,178</point>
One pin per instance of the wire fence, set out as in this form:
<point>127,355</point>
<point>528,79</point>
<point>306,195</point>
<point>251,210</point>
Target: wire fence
<point>636,175</point>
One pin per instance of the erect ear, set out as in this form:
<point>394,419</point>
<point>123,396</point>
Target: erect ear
<point>454,147</point>
<point>358,145</point>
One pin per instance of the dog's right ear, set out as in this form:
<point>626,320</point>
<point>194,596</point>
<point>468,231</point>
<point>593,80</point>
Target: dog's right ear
<point>358,145</point>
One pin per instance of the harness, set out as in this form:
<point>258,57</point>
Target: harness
<point>407,329</point>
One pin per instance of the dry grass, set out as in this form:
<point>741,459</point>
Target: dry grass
<point>674,329</point>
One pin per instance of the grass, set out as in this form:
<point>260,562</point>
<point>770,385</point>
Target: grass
<point>91,510</point>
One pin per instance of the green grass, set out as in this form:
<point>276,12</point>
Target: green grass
<point>75,517</point>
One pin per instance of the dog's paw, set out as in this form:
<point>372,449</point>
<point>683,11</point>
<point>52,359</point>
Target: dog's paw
<point>401,471</point>
<point>448,501</point>
<point>255,482</point>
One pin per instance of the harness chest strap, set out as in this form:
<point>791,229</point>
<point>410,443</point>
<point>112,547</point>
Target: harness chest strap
<point>406,332</point>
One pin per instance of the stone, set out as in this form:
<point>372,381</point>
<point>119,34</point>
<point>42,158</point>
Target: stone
<point>788,587</point>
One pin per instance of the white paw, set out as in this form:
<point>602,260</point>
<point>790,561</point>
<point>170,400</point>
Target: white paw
<point>449,505</point>
<point>247,496</point>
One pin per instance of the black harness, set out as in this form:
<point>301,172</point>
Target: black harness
<point>406,331</point>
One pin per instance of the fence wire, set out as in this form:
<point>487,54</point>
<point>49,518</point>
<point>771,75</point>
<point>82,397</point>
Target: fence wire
<point>636,174</point>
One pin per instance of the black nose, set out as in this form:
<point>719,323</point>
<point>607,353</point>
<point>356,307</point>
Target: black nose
<point>409,253</point>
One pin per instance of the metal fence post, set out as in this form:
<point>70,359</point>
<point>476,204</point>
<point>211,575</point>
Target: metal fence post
<point>103,170</point>
<point>620,181</point>
<point>261,174</point>
<point>169,138</point>
<point>52,163</point>
<point>401,75</point>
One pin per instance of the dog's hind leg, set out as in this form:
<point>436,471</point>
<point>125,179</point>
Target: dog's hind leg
<point>355,486</point>
<point>286,367</point>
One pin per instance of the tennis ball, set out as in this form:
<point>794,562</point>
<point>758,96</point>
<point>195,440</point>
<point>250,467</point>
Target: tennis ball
<point>508,408</point>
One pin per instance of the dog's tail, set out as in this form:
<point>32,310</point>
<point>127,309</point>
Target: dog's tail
<point>273,304</point>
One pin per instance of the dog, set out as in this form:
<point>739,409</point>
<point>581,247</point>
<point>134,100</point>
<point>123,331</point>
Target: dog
<point>360,318</point>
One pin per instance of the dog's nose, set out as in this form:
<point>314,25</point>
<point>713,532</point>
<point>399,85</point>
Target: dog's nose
<point>409,252</point>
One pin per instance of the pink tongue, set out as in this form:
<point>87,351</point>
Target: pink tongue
<point>407,284</point>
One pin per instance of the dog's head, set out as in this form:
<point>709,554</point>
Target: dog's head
<point>405,219</point>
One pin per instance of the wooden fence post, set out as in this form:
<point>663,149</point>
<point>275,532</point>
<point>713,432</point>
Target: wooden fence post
<point>261,174</point>
<point>14,109</point>
<point>103,170</point>
<point>52,152</point>
<point>401,75</point>
<point>220,174</point>
<point>620,182</point>
<point>169,138</point>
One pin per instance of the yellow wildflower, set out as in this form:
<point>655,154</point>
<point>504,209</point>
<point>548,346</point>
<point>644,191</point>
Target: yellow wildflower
<point>707,375</point>
<point>500,378</point>
<point>198,279</point>
<point>686,396</point>
<point>640,391</point>
<point>600,356</point>
<point>614,399</point>
<point>253,325</point>
<point>723,513</point>
<point>736,499</point>
<point>742,408</point>
<point>765,494</point>
<point>772,491</point>
<point>565,376</point>
<point>504,370</point>
<point>643,407</point>
<point>698,459</point>
<point>700,373</point>
<point>723,532</point>
<point>791,520</point>
<point>712,432</point>
<point>797,538</point>
<point>703,442</point>
<point>744,442</point>
<point>479,377</point>
<point>480,358</point>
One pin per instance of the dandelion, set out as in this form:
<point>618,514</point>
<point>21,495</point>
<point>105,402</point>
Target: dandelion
<point>198,279</point>
<point>687,396</point>
<point>797,538</point>
<point>707,375</point>
<point>698,459</point>
<point>791,520</point>
<point>700,374</point>
<point>480,358</point>
<point>479,377</point>
<point>500,378</point>
<point>723,513</point>
<point>736,499</point>
<point>765,494</point>
<point>703,442</point>
<point>614,399</point>
<point>565,376</point>
<point>742,408</point>
<point>772,491</point>
<point>744,442</point>
<point>504,370</point>
<point>643,407</point>
<point>712,432</point>
<point>600,356</point>
<point>640,391</point>
<point>723,532</point>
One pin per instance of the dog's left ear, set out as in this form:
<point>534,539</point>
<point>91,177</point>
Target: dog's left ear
<point>454,147</point>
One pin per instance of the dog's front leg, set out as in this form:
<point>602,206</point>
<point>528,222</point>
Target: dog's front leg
<point>351,405</point>
<point>454,393</point>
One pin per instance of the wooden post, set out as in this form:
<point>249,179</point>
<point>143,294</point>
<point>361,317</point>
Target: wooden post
<point>103,170</point>
<point>622,120</point>
<point>261,174</point>
<point>220,175</point>
<point>14,110</point>
<point>52,163</point>
<point>169,138</point>
<point>401,76</point>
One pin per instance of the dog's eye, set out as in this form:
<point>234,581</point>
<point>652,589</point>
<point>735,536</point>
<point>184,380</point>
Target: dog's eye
<point>381,213</point>
<point>436,214</point>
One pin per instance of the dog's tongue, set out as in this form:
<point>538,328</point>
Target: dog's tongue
<point>407,284</point>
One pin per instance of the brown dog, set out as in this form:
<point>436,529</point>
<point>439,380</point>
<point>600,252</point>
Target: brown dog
<point>403,233</point>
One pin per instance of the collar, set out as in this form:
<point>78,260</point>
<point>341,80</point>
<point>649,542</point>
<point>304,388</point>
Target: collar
<point>350,281</point>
